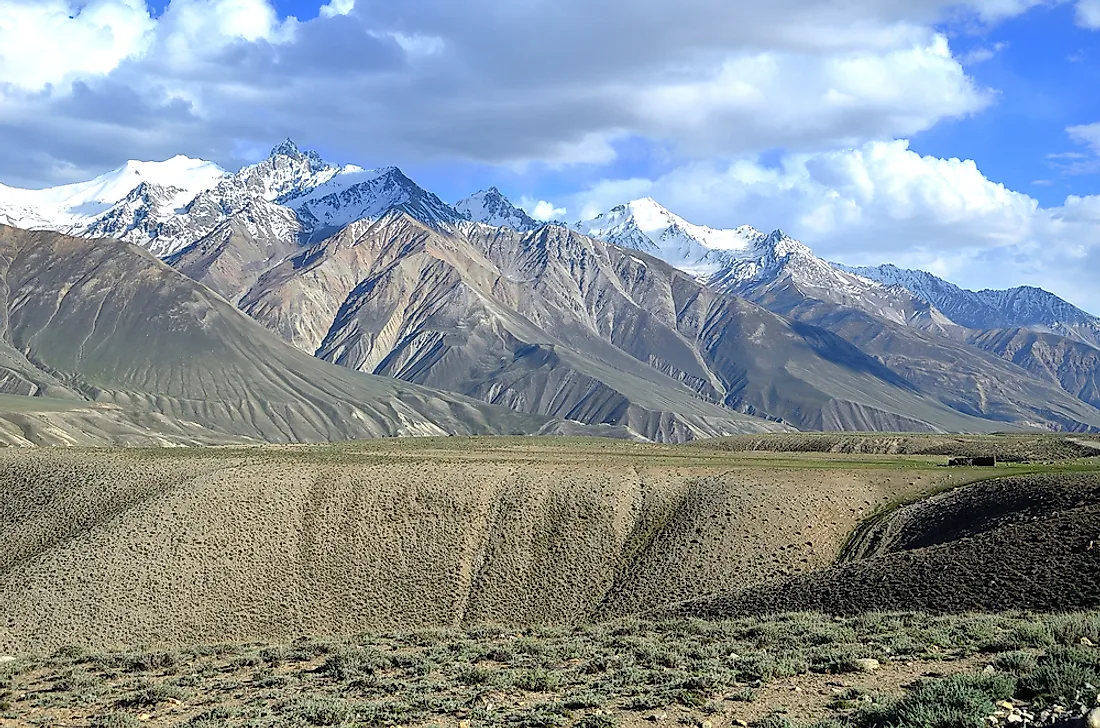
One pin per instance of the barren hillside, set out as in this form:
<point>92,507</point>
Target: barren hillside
<point>107,547</point>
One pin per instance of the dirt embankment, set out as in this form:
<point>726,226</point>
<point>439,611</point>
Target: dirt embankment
<point>1006,448</point>
<point>146,547</point>
<point>1019,543</point>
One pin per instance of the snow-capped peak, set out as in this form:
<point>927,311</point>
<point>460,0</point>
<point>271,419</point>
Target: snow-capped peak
<point>646,225</point>
<point>181,172</point>
<point>286,148</point>
<point>73,204</point>
<point>493,208</point>
<point>368,194</point>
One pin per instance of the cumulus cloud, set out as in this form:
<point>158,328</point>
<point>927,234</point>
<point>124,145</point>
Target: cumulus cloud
<point>883,202</point>
<point>337,7</point>
<point>1088,13</point>
<point>542,210</point>
<point>486,81</point>
<point>85,84</point>
<point>51,41</point>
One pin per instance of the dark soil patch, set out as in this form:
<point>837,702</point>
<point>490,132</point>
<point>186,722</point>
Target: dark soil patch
<point>1025,543</point>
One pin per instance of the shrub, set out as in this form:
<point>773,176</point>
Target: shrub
<point>960,701</point>
<point>1017,662</point>
<point>1035,634</point>
<point>213,718</point>
<point>322,711</point>
<point>474,675</point>
<point>580,701</point>
<point>597,721</point>
<point>115,720</point>
<point>1060,675</point>
<point>1070,629</point>
<point>150,695</point>
<point>351,663</point>
<point>773,720</point>
<point>538,681</point>
<point>544,715</point>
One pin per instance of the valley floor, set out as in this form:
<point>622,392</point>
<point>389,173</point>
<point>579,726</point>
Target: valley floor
<point>786,580</point>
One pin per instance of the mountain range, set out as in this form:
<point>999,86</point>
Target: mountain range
<point>637,321</point>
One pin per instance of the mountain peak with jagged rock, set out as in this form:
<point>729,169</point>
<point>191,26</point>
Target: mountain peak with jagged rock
<point>491,207</point>
<point>286,148</point>
<point>358,194</point>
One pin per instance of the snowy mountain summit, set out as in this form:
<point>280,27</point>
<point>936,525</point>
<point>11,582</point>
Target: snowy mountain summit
<point>74,208</point>
<point>167,206</point>
<point>493,208</point>
<point>753,264</point>
<point>647,226</point>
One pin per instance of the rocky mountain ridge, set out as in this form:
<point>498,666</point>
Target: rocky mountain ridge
<point>482,299</point>
<point>1021,307</point>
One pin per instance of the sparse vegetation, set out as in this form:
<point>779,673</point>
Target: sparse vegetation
<point>688,669</point>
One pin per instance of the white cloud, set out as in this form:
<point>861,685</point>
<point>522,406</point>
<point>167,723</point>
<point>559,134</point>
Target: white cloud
<point>981,54</point>
<point>489,82</point>
<point>544,211</point>
<point>1088,13</point>
<point>51,41</point>
<point>882,202</point>
<point>1088,134</point>
<point>793,100</point>
<point>190,31</point>
<point>337,7</point>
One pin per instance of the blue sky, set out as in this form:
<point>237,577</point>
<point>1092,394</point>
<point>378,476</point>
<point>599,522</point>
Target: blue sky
<point>1046,77</point>
<point>962,137</point>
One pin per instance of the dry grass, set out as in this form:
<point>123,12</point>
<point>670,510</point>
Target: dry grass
<point>617,673</point>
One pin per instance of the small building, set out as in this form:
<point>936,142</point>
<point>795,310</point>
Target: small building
<point>978,462</point>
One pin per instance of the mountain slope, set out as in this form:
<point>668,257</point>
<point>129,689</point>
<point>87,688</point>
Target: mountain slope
<point>367,195</point>
<point>106,322</point>
<point>556,322</point>
<point>233,256</point>
<point>746,260</point>
<point>777,262</point>
<point>1073,365</point>
<point>400,299</point>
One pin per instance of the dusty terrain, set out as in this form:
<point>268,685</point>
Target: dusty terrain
<point>108,547</point>
<point>1008,447</point>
